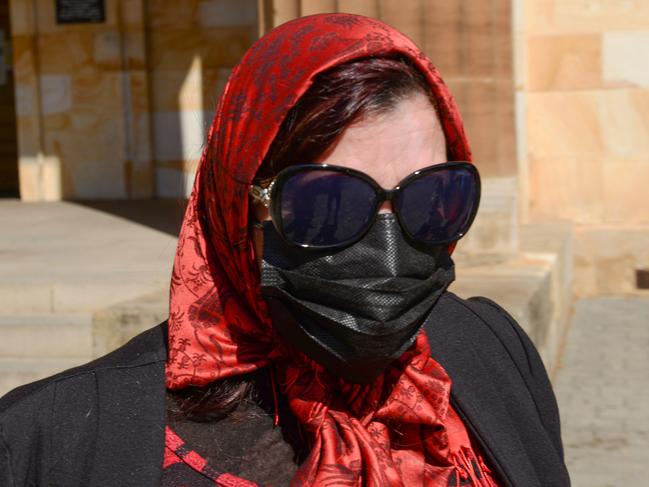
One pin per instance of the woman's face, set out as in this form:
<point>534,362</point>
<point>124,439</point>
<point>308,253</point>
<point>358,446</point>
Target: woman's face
<point>387,147</point>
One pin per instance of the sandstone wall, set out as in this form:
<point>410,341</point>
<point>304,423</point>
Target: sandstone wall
<point>583,99</point>
<point>81,103</point>
<point>117,109</point>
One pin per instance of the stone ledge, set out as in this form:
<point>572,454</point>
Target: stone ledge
<point>46,336</point>
<point>534,286</point>
<point>71,296</point>
<point>607,257</point>
<point>69,258</point>
<point>115,325</point>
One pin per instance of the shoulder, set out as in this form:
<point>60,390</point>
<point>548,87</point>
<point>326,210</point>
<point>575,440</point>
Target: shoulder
<point>479,330</point>
<point>148,348</point>
<point>486,323</point>
<point>52,423</point>
<point>480,311</point>
<point>477,341</point>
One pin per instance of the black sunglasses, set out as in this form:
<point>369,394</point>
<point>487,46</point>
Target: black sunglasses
<point>321,206</point>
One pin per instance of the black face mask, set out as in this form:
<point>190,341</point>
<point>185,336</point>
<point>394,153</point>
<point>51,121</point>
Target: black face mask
<point>356,309</point>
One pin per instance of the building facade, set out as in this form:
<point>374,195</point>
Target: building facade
<point>554,94</point>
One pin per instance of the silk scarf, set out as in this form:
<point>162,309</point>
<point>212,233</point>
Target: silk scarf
<point>399,430</point>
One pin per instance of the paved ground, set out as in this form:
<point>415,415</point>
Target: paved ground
<point>603,393</point>
<point>63,262</point>
<point>69,257</point>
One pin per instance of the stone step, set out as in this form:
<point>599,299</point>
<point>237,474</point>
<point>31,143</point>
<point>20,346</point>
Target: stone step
<point>115,325</point>
<point>46,336</point>
<point>75,294</point>
<point>18,371</point>
<point>48,266</point>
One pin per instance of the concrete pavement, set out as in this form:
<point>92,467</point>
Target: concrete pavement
<point>603,392</point>
<point>68,258</point>
<point>62,262</point>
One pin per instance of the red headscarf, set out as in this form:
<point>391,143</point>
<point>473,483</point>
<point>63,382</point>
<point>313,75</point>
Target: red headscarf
<point>400,430</point>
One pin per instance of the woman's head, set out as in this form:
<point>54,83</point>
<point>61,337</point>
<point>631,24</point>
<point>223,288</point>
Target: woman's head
<point>375,115</point>
<point>215,287</point>
<point>364,138</point>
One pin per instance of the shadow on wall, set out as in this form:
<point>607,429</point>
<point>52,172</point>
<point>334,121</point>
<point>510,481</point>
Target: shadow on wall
<point>192,48</point>
<point>164,215</point>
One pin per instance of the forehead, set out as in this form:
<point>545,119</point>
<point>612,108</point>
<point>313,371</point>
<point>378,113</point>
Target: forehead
<point>394,144</point>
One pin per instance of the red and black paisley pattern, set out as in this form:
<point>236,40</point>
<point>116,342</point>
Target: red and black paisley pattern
<point>401,429</point>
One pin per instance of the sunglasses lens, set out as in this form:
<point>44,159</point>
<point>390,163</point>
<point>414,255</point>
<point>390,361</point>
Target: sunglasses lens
<point>438,206</point>
<point>323,208</point>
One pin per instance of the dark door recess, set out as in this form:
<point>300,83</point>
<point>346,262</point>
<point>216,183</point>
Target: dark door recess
<point>8,137</point>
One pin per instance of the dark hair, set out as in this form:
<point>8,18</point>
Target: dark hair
<point>211,402</point>
<point>338,97</point>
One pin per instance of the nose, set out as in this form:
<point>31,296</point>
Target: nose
<point>387,196</point>
<point>386,207</point>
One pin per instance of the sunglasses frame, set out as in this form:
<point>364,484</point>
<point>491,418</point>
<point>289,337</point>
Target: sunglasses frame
<point>271,189</point>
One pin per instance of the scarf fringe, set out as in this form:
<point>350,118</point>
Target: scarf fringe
<point>468,467</point>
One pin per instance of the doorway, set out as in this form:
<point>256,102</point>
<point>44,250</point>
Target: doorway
<point>8,135</point>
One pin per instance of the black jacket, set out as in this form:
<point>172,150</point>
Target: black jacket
<point>102,424</point>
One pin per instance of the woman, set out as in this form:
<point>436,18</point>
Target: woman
<point>311,339</point>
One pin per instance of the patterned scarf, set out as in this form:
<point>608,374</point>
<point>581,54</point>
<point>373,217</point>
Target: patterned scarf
<point>400,430</point>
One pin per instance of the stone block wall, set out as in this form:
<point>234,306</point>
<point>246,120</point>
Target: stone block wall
<point>81,103</point>
<point>118,109</point>
<point>583,96</point>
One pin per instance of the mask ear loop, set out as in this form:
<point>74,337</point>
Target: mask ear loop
<point>256,224</point>
<point>256,194</point>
